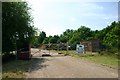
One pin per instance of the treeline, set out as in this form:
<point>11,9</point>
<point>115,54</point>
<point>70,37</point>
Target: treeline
<point>109,37</point>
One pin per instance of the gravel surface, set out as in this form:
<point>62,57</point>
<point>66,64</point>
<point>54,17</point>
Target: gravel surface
<point>59,66</point>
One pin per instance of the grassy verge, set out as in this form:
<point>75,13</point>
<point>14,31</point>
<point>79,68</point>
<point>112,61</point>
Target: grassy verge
<point>106,60</point>
<point>15,69</point>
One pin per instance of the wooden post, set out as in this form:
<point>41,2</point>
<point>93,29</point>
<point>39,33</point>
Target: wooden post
<point>67,48</point>
<point>58,46</point>
<point>49,47</point>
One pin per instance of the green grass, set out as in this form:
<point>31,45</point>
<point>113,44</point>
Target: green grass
<point>15,69</point>
<point>106,60</point>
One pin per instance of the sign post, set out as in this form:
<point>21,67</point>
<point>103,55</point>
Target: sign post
<point>67,48</point>
<point>49,47</point>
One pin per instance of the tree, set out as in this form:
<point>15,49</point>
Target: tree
<point>46,40</point>
<point>54,39</point>
<point>66,36</point>
<point>42,37</point>
<point>111,37</point>
<point>16,26</point>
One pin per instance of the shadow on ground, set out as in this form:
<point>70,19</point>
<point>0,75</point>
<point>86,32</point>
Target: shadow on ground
<point>38,63</point>
<point>15,68</point>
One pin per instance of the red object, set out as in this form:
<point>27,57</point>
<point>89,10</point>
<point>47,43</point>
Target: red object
<point>24,55</point>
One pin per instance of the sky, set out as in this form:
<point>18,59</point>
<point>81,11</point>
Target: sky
<point>54,17</point>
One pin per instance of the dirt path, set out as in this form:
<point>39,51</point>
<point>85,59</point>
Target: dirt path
<point>68,67</point>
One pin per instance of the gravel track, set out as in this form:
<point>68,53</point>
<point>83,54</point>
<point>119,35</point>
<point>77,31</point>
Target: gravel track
<point>59,66</point>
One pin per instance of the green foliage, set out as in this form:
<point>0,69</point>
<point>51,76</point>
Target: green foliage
<point>109,37</point>
<point>54,39</point>
<point>35,41</point>
<point>42,37</point>
<point>16,25</point>
<point>82,33</point>
<point>65,37</point>
<point>46,41</point>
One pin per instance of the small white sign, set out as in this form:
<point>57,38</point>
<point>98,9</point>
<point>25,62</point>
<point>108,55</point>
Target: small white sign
<point>80,48</point>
